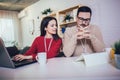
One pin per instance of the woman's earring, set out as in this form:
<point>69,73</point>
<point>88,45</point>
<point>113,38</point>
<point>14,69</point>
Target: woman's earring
<point>45,29</point>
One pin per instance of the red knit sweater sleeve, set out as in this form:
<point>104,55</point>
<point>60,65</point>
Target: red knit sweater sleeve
<point>55,48</point>
<point>33,49</point>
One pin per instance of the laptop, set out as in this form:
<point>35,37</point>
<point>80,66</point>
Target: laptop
<point>7,61</point>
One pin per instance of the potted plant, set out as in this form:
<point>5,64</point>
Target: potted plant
<point>44,12</point>
<point>48,11</point>
<point>68,18</point>
<point>14,43</point>
<point>116,48</point>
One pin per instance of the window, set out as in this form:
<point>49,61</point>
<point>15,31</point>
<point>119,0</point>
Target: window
<point>7,25</point>
<point>7,30</point>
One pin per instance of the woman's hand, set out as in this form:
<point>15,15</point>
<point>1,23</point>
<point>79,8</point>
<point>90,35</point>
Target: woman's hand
<point>19,57</point>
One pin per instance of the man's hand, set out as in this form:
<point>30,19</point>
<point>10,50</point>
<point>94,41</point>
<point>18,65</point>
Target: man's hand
<point>83,33</point>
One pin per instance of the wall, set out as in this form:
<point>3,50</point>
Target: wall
<point>110,19</point>
<point>105,15</point>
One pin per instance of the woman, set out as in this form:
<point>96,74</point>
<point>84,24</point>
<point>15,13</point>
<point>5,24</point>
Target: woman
<point>48,41</point>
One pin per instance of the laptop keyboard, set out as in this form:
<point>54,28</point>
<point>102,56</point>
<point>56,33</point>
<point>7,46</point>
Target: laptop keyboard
<point>22,62</point>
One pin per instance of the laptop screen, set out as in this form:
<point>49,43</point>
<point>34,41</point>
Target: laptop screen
<point>5,59</point>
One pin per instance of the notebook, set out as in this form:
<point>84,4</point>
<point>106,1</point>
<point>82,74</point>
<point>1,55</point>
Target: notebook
<point>7,61</point>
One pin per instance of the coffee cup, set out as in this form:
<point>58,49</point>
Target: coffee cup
<point>41,58</point>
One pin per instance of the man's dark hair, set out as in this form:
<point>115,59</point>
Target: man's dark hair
<point>84,9</point>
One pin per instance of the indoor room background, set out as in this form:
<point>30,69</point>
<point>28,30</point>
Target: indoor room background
<point>105,15</point>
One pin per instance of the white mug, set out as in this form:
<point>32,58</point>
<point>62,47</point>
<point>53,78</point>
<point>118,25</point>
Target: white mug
<point>41,58</point>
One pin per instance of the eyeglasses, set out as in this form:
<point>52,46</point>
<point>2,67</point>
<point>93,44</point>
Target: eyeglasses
<point>87,20</point>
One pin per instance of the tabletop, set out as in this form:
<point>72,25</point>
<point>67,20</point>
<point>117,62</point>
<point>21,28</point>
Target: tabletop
<point>61,68</point>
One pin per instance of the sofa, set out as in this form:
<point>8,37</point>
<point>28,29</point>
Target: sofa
<point>13,50</point>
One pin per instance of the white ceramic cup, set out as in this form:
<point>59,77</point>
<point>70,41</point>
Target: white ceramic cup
<point>41,58</point>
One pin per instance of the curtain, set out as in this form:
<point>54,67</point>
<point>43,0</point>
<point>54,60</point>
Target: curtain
<point>8,24</point>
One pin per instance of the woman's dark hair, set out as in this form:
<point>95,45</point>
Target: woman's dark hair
<point>44,24</point>
<point>84,9</point>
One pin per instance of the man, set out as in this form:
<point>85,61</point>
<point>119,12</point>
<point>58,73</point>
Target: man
<point>84,37</point>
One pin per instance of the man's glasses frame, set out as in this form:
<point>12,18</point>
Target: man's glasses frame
<point>87,20</point>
